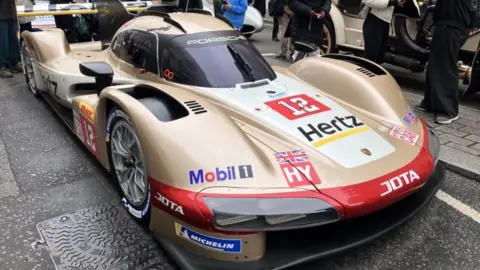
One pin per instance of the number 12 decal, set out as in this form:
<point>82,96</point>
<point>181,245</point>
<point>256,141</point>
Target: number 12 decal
<point>298,106</point>
<point>90,136</point>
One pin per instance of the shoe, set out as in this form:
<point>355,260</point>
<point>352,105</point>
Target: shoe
<point>18,68</point>
<point>5,73</point>
<point>275,39</point>
<point>281,56</point>
<point>421,107</point>
<point>445,119</point>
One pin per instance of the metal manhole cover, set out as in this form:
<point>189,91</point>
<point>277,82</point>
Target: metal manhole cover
<point>101,237</point>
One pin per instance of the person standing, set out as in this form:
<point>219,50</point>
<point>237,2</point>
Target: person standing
<point>453,20</point>
<point>25,22</point>
<point>275,29</point>
<point>285,41</point>
<point>234,11</point>
<point>9,47</point>
<point>376,27</point>
<point>307,21</point>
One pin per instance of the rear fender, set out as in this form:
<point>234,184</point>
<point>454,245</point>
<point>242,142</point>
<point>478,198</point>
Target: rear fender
<point>47,45</point>
<point>358,84</point>
<point>338,23</point>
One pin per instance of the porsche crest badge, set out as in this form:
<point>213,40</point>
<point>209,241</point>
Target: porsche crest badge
<point>366,151</point>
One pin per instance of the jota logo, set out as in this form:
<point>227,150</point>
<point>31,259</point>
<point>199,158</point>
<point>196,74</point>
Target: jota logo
<point>229,173</point>
<point>338,124</point>
<point>398,182</point>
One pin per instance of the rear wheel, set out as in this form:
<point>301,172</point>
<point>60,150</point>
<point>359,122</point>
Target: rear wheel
<point>29,72</point>
<point>329,44</point>
<point>127,162</point>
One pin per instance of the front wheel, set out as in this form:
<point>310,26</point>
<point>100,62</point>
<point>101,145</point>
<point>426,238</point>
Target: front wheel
<point>29,72</point>
<point>127,165</point>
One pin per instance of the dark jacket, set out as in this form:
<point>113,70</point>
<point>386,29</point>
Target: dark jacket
<point>192,4</point>
<point>64,22</point>
<point>460,14</point>
<point>304,26</point>
<point>8,10</point>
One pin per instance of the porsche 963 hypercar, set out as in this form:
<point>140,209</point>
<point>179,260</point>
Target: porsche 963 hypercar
<point>230,162</point>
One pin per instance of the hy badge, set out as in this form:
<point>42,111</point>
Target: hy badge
<point>217,244</point>
<point>296,168</point>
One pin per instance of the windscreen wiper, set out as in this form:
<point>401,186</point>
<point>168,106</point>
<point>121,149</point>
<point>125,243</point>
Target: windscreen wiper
<point>247,69</point>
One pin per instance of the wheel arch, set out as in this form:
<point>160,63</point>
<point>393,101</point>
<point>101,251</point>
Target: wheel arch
<point>144,105</point>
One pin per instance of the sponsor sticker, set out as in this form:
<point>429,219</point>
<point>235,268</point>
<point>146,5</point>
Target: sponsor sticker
<point>275,94</point>
<point>399,181</point>
<point>87,111</point>
<point>201,176</point>
<point>326,132</point>
<point>169,204</point>
<point>409,118</point>
<point>297,106</point>
<point>213,243</point>
<point>78,126</point>
<point>134,212</point>
<point>89,135</point>
<point>404,135</point>
<point>296,168</point>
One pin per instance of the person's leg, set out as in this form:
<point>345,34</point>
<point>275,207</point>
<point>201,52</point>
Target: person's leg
<point>282,27</point>
<point>275,29</point>
<point>4,53</point>
<point>373,38</point>
<point>14,48</point>
<point>442,74</point>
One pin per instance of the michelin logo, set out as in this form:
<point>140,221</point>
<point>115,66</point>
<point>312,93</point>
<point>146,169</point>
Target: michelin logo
<point>217,244</point>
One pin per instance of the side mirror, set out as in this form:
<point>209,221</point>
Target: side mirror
<point>102,72</point>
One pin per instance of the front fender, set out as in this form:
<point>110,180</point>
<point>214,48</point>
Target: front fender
<point>209,141</point>
<point>356,83</point>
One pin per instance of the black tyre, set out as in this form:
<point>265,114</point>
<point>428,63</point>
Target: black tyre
<point>29,72</point>
<point>127,165</point>
<point>329,44</point>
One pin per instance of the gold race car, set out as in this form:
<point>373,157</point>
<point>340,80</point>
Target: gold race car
<point>230,162</point>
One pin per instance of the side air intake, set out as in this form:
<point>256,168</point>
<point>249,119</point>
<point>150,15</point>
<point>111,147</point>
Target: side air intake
<point>195,107</point>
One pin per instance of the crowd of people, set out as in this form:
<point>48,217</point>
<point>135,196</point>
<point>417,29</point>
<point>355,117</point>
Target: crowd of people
<point>300,20</point>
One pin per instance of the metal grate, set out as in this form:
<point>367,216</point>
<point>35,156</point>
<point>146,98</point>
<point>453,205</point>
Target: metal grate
<point>366,72</point>
<point>195,107</point>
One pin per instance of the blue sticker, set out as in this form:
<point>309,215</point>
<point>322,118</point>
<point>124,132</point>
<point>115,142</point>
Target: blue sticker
<point>277,94</point>
<point>217,244</point>
<point>409,117</point>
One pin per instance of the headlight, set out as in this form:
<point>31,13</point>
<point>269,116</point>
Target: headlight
<point>264,214</point>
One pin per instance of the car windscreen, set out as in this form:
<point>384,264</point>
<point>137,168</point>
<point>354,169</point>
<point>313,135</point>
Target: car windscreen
<point>213,59</point>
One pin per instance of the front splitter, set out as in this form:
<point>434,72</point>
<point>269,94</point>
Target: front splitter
<point>289,248</point>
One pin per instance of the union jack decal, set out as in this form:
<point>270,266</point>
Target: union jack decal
<point>293,156</point>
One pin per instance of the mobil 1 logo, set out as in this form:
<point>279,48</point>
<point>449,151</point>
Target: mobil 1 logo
<point>220,174</point>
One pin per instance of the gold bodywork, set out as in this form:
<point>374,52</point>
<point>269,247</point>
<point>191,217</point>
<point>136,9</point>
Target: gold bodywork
<point>226,135</point>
